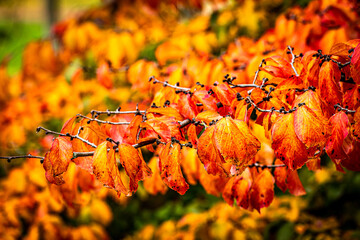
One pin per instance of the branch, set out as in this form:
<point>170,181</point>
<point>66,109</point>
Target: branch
<point>137,145</point>
<point>257,71</point>
<point>244,85</point>
<point>47,131</point>
<point>281,110</point>
<point>345,109</point>
<point>95,113</point>
<point>166,84</point>
<point>9,158</point>
<point>257,165</point>
<point>292,60</point>
<point>102,121</point>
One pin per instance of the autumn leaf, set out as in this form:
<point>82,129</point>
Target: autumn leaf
<point>135,166</point>
<point>154,184</point>
<point>339,132</point>
<point>238,188</point>
<point>356,127</point>
<point>170,169</point>
<point>57,160</point>
<point>280,175</point>
<point>329,77</point>
<point>101,165</point>
<point>312,130</point>
<point>355,65</point>
<point>208,116</point>
<point>235,142</point>
<point>207,100</point>
<point>262,190</point>
<point>294,184</point>
<point>288,147</point>
<point>209,154</point>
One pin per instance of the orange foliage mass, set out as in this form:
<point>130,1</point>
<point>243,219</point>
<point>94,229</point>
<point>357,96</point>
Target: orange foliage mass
<point>275,105</point>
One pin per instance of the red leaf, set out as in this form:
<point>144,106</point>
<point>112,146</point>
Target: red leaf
<point>224,93</point>
<point>168,111</point>
<point>170,168</point>
<point>356,127</point>
<point>277,66</point>
<point>235,142</point>
<point>238,188</point>
<point>312,130</point>
<point>57,160</point>
<point>154,184</point>
<point>288,148</point>
<point>187,107</point>
<point>134,165</point>
<point>101,165</point>
<point>340,130</point>
<point>280,175</point>
<point>208,101</point>
<point>329,77</point>
<point>262,190</point>
<point>68,125</point>
<point>294,184</point>
<point>209,154</point>
<point>208,116</point>
<point>355,65</point>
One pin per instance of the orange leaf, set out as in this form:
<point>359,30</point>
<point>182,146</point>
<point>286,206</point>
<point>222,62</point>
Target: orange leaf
<point>68,125</point>
<point>235,142</point>
<point>340,130</point>
<point>57,160</point>
<point>208,116</point>
<point>238,188</point>
<point>294,184</point>
<point>356,127</point>
<point>190,165</point>
<point>187,106</point>
<point>355,65</point>
<point>134,165</point>
<point>170,168</point>
<point>224,93</point>
<point>311,69</point>
<point>106,169</point>
<point>277,66</point>
<point>209,155</point>
<point>213,184</point>
<point>329,77</point>
<point>287,146</point>
<point>312,130</point>
<point>262,190</point>
<point>168,111</point>
<point>280,175</point>
<point>290,83</point>
<point>208,101</point>
<point>101,165</point>
<point>313,101</point>
<point>154,184</point>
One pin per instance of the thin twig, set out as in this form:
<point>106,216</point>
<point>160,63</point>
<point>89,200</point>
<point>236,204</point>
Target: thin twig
<point>292,60</point>
<point>47,131</point>
<point>345,109</point>
<point>282,110</point>
<point>117,111</point>
<point>9,158</point>
<point>166,84</point>
<point>258,70</point>
<point>244,85</point>
<point>137,145</point>
<point>266,166</point>
<point>102,121</point>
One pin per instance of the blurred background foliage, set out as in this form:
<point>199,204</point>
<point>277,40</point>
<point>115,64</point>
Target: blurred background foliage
<point>330,210</point>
